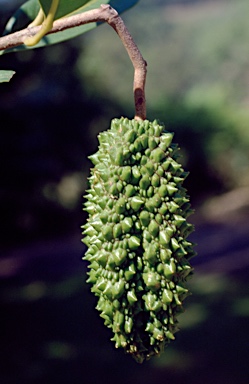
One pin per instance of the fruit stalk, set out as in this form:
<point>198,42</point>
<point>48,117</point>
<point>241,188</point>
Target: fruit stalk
<point>105,13</point>
<point>139,64</point>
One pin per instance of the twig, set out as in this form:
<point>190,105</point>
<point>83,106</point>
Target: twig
<point>103,14</point>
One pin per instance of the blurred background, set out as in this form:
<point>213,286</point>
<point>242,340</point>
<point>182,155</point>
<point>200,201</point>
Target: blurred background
<point>50,115</point>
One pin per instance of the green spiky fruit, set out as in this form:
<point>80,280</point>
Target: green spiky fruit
<point>136,235</point>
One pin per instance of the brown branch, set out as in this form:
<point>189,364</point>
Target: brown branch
<point>103,14</point>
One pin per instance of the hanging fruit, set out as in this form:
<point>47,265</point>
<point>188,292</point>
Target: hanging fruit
<point>136,235</point>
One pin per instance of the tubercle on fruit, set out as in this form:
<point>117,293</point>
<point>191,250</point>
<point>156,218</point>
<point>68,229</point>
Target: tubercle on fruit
<point>136,237</point>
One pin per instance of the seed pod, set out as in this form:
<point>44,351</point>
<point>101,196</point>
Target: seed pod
<point>136,235</point>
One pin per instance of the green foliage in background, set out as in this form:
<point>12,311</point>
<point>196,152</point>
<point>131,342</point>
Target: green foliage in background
<point>202,46</point>
<point>214,139</point>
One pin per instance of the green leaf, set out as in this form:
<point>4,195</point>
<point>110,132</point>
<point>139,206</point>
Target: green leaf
<point>5,76</point>
<point>29,10</point>
<point>65,7</point>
